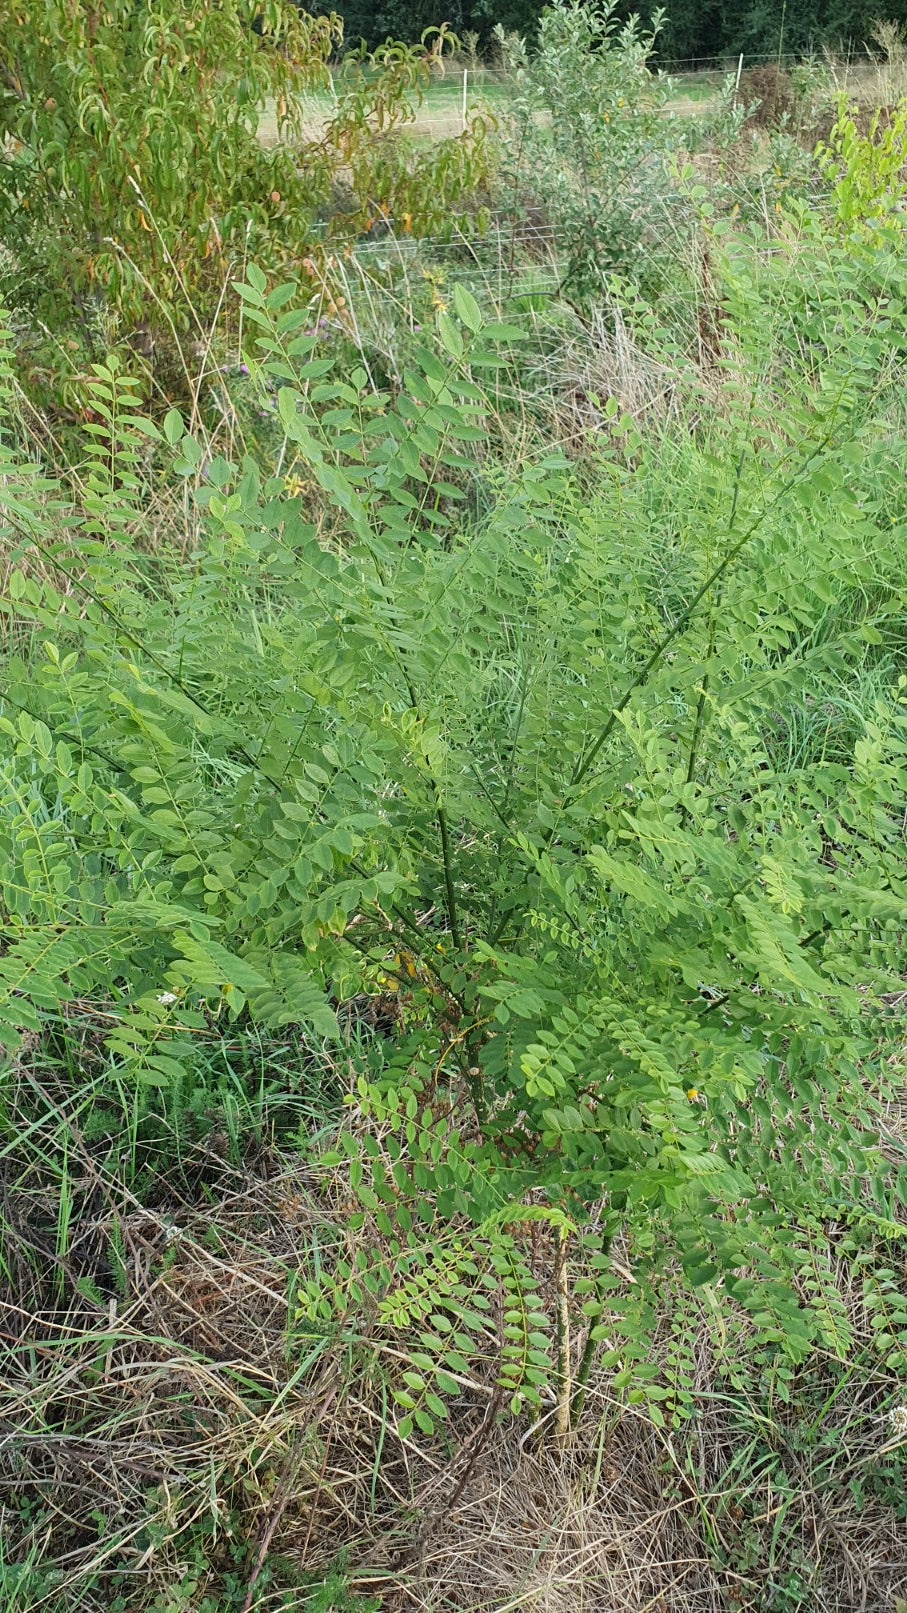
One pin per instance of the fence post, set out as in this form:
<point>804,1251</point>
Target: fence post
<point>465,76</point>
<point>739,71</point>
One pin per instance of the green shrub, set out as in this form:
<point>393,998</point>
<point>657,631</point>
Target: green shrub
<point>525,773</point>
<point>867,171</point>
<point>586,143</point>
<point>132,158</point>
<point>134,181</point>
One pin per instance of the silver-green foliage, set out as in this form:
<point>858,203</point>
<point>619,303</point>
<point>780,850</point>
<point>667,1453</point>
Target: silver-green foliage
<point>588,142</point>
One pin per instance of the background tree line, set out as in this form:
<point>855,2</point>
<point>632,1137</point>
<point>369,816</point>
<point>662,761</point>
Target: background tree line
<point>692,28</point>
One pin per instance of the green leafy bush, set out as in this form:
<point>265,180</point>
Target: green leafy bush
<point>132,157</point>
<point>867,171</point>
<point>539,777</point>
<point>587,144</point>
<point>134,178</point>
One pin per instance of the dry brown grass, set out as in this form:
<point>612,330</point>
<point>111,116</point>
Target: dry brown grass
<point>599,363</point>
<point>872,84</point>
<point>175,1426</point>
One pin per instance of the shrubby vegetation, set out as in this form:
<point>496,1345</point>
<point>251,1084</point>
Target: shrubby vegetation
<point>133,181</point>
<point>451,849</point>
<point>587,143</point>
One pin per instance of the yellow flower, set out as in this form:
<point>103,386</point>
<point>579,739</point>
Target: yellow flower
<point>692,1093</point>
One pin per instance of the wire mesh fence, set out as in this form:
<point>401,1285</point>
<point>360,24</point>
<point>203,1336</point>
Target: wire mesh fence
<point>460,88</point>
